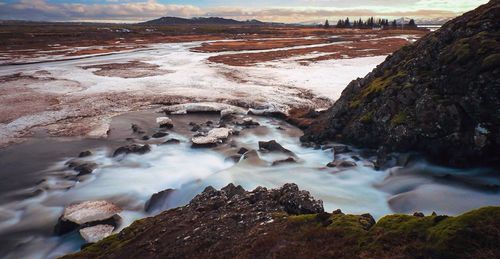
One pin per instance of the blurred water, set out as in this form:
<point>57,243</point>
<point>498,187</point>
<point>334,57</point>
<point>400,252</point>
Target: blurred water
<point>26,224</point>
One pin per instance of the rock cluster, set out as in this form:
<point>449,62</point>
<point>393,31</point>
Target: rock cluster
<point>95,220</point>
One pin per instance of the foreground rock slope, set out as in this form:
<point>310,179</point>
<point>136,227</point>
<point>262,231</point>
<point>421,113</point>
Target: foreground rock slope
<point>440,96</point>
<point>289,223</point>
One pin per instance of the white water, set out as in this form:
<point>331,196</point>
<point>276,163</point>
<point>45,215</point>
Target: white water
<point>129,181</point>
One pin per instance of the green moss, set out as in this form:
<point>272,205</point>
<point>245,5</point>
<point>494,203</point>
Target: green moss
<point>490,62</point>
<point>381,83</point>
<point>349,224</point>
<point>398,119</point>
<point>367,117</point>
<point>474,229</point>
<point>355,104</point>
<point>302,218</point>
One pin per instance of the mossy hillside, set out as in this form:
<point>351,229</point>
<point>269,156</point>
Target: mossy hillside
<point>475,232</point>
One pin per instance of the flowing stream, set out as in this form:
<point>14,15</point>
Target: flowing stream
<point>38,183</point>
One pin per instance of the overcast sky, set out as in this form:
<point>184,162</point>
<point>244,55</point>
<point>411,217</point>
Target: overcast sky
<point>265,10</point>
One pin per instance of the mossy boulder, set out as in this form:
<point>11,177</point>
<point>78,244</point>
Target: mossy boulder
<point>437,96</point>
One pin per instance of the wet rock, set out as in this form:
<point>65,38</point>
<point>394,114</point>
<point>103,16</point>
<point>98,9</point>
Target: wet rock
<point>132,149</point>
<point>195,128</point>
<point>159,135</point>
<point>85,168</point>
<point>145,138</point>
<point>273,146</point>
<point>137,129</point>
<point>252,158</point>
<point>85,153</point>
<point>233,158</point>
<point>247,123</point>
<point>96,233</point>
<point>157,202</point>
<point>171,141</point>
<point>165,122</point>
<point>341,163</point>
<point>339,149</point>
<point>289,160</point>
<point>242,151</point>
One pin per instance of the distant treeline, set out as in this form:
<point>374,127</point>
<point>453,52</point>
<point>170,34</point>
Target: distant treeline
<point>369,23</point>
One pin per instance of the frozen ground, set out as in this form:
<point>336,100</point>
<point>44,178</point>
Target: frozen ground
<point>78,97</point>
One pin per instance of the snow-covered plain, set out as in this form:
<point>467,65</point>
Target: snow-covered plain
<point>92,99</point>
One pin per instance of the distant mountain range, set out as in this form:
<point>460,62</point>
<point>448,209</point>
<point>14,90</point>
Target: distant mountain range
<point>199,21</point>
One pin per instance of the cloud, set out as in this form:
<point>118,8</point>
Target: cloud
<point>144,10</point>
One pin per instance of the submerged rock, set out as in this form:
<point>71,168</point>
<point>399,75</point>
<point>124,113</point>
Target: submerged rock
<point>171,141</point>
<point>85,153</point>
<point>289,160</point>
<point>159,135</point>
<point>341,163</point>
<point>132,149</point>
<point>273,146</point>
<point>157,202</point>
<point>85,168</point>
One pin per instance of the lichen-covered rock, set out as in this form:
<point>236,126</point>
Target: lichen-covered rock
<point>439,96</point>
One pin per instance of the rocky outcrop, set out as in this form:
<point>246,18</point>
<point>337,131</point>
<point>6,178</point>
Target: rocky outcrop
<point>439,96</point>
<point>289,223</point>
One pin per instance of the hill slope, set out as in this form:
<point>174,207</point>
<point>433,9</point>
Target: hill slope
<point>199,21</point>
<point>439,96</point>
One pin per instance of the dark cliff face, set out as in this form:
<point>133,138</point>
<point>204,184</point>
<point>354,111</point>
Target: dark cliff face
<point>439,96</point>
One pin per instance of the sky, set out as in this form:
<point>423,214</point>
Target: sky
<point>289,11</point>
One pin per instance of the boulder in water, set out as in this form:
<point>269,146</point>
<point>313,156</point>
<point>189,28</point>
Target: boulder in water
<point>341,163</point>
<point>159,135</point>
<point>165,122</point>
<point>134,148</point>
<point>273,146</point>
<point>157,202</point>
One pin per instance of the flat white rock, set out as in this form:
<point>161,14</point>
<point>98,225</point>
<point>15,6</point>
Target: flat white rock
<point>204,140</point>
<point>203,107</point>
<point>219,133</point>
<point>212,137</point>
<point>88,211</point>
<point>96,233</point>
